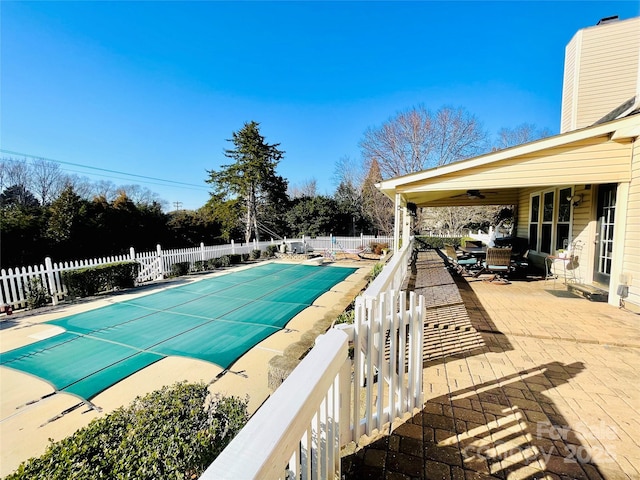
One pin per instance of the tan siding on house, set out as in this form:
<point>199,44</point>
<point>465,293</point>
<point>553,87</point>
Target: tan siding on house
<point>522,229</point>
<point>590,161</point>
<point>631,263</point>
<point>568,85</point>
<point>601,72</point>
<point>583,230</point>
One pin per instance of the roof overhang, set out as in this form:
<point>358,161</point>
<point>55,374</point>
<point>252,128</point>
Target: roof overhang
<point>500,175</point>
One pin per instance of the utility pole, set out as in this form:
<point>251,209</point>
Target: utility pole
<point>177,205</point>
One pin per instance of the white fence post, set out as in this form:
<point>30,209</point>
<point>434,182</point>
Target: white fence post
<point>202,252</point>
<point>48,266</point>
<point>233,247</point>
<point>160,261</point>
<point>132,254</point>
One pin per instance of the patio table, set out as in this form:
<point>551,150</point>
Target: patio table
<point>475,251</point>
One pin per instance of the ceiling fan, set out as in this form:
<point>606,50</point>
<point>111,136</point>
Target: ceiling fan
<point>473,194</point>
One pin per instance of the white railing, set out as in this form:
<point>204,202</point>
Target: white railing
<point>389,331</point>
<point>394,273</point>
<point>298,432</point>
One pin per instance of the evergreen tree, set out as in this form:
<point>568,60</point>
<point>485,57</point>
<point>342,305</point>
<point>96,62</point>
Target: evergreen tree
<point>65,213</point>
<point>249,186</point>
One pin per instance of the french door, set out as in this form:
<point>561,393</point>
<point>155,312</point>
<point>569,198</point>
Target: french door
<point>606,210</point>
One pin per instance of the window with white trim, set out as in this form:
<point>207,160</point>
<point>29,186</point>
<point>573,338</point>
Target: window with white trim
<point>534,218</point>
<point>563,225</point>
<point>550,220</point>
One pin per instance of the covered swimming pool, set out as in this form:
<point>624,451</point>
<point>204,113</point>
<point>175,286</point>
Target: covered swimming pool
<point>216,319</point>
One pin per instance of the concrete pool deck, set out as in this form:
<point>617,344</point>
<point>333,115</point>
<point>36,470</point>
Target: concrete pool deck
<point>32,413</point>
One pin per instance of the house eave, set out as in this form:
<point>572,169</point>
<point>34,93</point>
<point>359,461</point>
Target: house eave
<point>622,130</point>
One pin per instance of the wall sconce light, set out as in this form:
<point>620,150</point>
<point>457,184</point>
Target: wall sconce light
<point>575,199</point>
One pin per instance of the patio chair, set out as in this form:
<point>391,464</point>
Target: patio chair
<point>473,243</point>
<point>498,262</point>
<point>569,265</point>
<point>461,264</point>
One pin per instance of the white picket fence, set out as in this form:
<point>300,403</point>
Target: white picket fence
<point>338,244</point>
<point>331,399</point>
<point>154,265</point>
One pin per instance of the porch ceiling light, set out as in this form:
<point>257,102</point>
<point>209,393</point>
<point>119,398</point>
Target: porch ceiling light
<point>575,199</point>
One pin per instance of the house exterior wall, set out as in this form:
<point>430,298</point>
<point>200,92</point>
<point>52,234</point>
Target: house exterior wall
<point>631,261</point>
<point>583,226</point>
<point>601,72</point>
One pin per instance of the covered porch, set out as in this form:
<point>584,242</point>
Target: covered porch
<point>523,381</point>
<point>579,188</point>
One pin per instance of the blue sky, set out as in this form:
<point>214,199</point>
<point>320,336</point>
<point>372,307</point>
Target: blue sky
<point>156,88</point>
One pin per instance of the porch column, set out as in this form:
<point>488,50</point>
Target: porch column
<point>406,225</point>
<point>619,235</point>
<point>396,224</point>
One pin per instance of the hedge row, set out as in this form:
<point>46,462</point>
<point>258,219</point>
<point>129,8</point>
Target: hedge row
<point>88,281</point>
<point>175,432</point>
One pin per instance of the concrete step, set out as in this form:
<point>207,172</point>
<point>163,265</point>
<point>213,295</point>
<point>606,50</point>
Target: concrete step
<point>590,292</point>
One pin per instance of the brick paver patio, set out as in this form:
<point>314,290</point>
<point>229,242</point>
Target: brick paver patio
<point>521,381</point>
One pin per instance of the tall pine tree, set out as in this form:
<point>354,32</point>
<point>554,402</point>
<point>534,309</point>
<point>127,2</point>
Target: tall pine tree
<point>244,190</point>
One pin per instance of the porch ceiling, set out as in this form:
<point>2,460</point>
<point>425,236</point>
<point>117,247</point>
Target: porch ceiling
<point>456,198</point>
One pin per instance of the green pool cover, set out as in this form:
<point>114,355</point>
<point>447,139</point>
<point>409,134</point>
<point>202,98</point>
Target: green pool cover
<point>217,320</point>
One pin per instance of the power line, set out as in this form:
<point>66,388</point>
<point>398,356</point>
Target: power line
<point>170,182</point>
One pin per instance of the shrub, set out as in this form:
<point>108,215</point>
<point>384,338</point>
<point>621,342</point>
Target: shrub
<point>375,271</point>
<point>348,316</point>
<point>255,254</point>
<point>235,258</point>
<point>37,294</point>
<point>245,257</point>
<point>212,263</point>
<point>88,281</point>
<point>175,432</point>
<point>179,269</point>
<point>272,250</point>
<point>200,266</point>
<point>439,242</point>
<point>225,261</point>
<point>217,262</point>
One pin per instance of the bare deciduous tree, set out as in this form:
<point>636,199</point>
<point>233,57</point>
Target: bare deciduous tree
<point>348,171</point>
<point>105,189</point>
<point>523,133</point>
<point>308,188</point>
<point>457,220</point>
<point>46,180</point>
<point>418,139</point>
<point>138,195</point>
<point>82,186</point>
<point>14,172</point>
